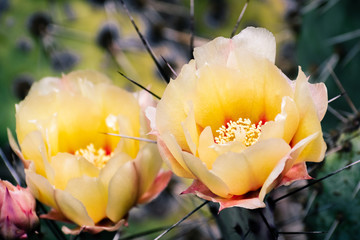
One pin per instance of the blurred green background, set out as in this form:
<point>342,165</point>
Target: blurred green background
<point>47,38</point>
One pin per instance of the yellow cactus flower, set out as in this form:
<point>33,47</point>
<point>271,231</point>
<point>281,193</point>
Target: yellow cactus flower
<point>234,123</point>
<point>86,176</point>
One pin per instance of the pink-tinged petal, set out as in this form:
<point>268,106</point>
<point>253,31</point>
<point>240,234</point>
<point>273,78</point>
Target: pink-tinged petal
<point>297,172</point>
<point>160,183</point>
<point>107,226</point>
<point>145,99</point>
<point>69,166</point>
<point>199,169</point>
<point>319,95</point>
<point>206,152</point>
<point>284,165</point>
<point>55,215</point>
<point>196,187</point>
<point>249,201</point>
<point>147,164</point>
<point>8,230</point>
<point>91,193</point>
<point>11,210</point>
<point>24,199</point>
<point>72,208</point>
<point>247,171</point>
<point>123,192</point>
<point>258,41</point>
<point>309,122</point>
<point>150,114</point>
<point>190,129</point>
<point>170,152</point>
<point>41,188</point>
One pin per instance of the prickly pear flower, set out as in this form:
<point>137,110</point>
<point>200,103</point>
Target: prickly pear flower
<point>17,211</point>
<point>89,178</point>
<point>234,123</point>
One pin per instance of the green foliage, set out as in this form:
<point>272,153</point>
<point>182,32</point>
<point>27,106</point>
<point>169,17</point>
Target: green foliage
<point>323,45</point>
<point>337,205</point>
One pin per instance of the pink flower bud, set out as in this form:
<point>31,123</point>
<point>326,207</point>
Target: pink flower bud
<point>17,211</point>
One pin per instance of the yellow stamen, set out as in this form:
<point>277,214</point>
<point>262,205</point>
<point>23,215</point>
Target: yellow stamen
<point>99,158</point>
<point>242,130</point>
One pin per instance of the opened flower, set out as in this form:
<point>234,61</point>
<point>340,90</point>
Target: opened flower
<point>234,123</point>
<point>88,177</point>
<point>17,211</point>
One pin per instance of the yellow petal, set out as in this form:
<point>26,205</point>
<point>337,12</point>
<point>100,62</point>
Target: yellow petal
<point>90,75</point>
<point>148,164</point>
<point>40,188</point>
<point>34,149</point>
<point>285,124</point>
<point>15,147</point>
<point>190,130</point>
<point>72,208</point>
<point>126,145</point>
<point>91,193</point>
<point>112,166</point>
<point>68,166</point>
<point>72,133</point>
<point>309,122</point>
<point>170,111</point>
<point>259,97</point>
<point>123,192</point>
<point>31,117</point>
<point>171,153</point>
<point>247,171</point>
<point>112,98</point>
<point>258,41</point>
<point>234,146</point>
<point>206,152</point>
<point>207,177</point>
<point>214,52</point>
<point>284,166</point>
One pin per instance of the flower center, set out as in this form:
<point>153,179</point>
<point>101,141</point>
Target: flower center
<point>242,130</point>
<point>97,157</point>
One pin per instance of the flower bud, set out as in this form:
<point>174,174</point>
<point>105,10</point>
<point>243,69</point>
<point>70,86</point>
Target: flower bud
<point>17,211</point>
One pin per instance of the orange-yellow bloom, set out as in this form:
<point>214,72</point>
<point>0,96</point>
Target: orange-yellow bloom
<point>234,123</point>
<point>86,176</point>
